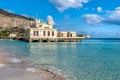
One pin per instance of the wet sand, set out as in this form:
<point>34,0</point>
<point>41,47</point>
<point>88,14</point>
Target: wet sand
<point>18,69</point>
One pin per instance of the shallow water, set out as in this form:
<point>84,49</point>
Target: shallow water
<point>93,59</point>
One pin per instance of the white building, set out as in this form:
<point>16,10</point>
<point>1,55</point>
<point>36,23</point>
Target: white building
<point>12,35</point>
<point>42,31</point>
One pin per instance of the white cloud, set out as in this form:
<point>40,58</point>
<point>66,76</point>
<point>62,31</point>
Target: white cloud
<point>99,9</point>
<point>108,11</point>
<point>62,5</point>
<point>115,14</point>
<point>112,18</point>
<point>93,19</point>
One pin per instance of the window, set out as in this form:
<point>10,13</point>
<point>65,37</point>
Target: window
<point>40,26</point>
<point>35,33</point>
<point>71,35</point>
<point>52,33</point>
<point>46,27</point>
<point>48,33</point>
<point>62,35</point>
<point>43,33</point>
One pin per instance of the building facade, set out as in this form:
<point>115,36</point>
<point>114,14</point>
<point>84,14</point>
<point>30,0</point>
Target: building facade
<point>44,32</point>
<point>66,34</point>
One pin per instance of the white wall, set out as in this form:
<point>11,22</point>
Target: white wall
<point>41,33</point>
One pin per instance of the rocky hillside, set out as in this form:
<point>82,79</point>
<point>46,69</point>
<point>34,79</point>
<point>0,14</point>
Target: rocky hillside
<point>12,20</point>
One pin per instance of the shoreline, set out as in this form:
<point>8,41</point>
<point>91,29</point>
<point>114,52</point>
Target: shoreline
<point>13,68</point>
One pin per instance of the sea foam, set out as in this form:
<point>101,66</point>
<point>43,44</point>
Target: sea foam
<point>30,69</point>
<point>15,60</point>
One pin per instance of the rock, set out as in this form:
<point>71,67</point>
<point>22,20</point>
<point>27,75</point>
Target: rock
<point>12,20</point>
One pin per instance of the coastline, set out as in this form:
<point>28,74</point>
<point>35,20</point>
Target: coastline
<point>13,68</point>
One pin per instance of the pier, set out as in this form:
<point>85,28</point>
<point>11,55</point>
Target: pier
<point>58,39</point>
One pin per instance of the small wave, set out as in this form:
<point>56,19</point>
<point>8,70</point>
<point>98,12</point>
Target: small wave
<point>30,69</point>
<point>15,60</point>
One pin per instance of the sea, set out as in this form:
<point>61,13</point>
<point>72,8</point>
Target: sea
<point>92,59</point>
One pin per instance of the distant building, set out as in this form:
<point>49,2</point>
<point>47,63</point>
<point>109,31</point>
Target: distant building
<point>12,35</point>
<point>88,36</point>
<point>44,32</point>
<point>66,34</point>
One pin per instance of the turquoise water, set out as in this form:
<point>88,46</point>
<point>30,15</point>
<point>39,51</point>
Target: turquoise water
<point>93,59</point>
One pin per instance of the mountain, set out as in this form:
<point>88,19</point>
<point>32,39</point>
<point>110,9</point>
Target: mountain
<point>8,20</point>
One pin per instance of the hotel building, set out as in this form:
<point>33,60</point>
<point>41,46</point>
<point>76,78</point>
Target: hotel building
<point>44,32</point>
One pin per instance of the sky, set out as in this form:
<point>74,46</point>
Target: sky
<point>97,18</point>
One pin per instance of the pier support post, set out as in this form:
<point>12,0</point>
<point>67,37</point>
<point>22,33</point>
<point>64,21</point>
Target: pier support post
<point>49,40</point>
<point>40,40</point>
<point>30,40</point>
<point>56,40</point>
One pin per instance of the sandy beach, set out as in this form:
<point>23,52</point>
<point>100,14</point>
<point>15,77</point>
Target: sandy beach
<point>18,69</point>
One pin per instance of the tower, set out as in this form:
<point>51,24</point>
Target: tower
<point>50,21</point>
<point>37,22</point>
